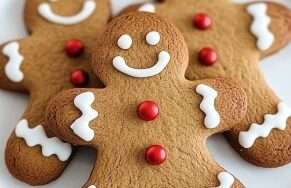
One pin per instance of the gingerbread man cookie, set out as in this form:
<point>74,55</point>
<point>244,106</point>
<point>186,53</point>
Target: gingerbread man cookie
<point>54,57</point>
<point>228,40</point>
<point>149,124</point>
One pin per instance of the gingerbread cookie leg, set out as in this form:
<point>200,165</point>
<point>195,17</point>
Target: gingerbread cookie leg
<point>31,154</point>
<point>264,137</point>
<point>10,63</point>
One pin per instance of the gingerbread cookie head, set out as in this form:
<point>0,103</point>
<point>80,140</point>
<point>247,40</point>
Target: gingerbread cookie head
<point>149,123</point>
<point>70,14</point>
<point>142,50</point>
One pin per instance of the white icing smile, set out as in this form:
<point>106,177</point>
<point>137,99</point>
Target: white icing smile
<point>46,12</point>
<point>120,64</point>
<point>153,38</point>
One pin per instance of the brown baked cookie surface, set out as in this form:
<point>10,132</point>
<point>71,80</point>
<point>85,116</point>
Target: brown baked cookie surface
<point>149,124</point>
<point>228,40</point>
<point>55,56</point>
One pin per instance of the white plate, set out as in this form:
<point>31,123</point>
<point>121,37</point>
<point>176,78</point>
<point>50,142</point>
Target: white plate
<point>12,105</point>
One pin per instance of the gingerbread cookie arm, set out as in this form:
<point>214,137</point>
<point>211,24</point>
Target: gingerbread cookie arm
<point>271,25</point>
<point>223,103</point>
<point>11,59</point>
<point>71,115</point>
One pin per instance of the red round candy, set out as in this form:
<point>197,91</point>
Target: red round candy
<point>148,110</point>
<point>155,154</point>
<point>79,78</point>
<point>202,21</point>
<point>74,48</point>
<point>208,56</point>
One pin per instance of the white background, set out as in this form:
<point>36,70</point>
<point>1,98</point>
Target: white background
<point>12,105</point>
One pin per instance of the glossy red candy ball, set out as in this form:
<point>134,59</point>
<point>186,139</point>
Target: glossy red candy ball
<point>208,56</point>
<point>202,21</point>
<point>148,110</point>
<point>155,154</point>
<point>79,78</point>
<point>74,48</point>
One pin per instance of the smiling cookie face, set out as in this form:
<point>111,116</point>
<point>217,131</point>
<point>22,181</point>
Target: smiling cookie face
<point>125,47</point>
<point>64,13</point>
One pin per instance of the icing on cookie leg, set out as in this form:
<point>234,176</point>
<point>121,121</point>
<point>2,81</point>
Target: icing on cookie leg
<point>279,121</point>
<point>37,136</point>
<point>226,180</point>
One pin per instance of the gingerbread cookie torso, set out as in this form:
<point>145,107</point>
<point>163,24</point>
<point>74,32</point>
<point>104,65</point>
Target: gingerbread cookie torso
<point>149,124</point>
<point>55,56</point>
<point>228,40</point>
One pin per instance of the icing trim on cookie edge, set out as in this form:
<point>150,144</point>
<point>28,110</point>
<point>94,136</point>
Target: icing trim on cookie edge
<point>37,136</point>
<point>88,9</point>
<point>226,180</point>
<point>147,7</point>
<point>260,25</point>
<point>212,117</point>
<point>12,68</point>
<point>271,121</point>
<point>164,58</point>
<point>81,125</point>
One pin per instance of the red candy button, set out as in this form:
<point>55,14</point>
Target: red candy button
<point>79,78</point>
<point>202,21</point>
<point>74,48</point>
<point>155,154</point>
<point>148,110</point>
<point>208,56</point>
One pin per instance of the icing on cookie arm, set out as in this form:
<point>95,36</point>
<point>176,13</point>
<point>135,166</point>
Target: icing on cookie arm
<point>271,25</point>
<point>222,104</point>
<point>71,115</point>
<point>212,117</point>
<point>15,59</point>
<point>81,126</point>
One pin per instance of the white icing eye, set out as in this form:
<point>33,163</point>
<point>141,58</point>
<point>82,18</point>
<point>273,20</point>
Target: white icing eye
<point>153,38</point>
<point>124,42</point>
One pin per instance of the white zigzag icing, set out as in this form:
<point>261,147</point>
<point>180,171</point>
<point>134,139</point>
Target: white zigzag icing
<point>260,25</point>
<point>81,125</point>
<point>12,68</point>
<point>207,105</point>
<point>37,136</point>
<point>279,121</point>
<point>226,180</point>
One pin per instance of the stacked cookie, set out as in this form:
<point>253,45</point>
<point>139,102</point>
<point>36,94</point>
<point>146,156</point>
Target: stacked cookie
<point>159,81</point>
